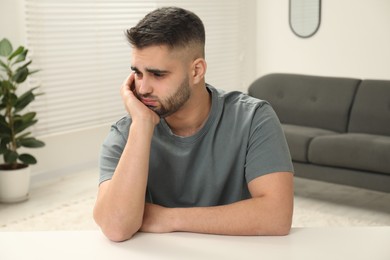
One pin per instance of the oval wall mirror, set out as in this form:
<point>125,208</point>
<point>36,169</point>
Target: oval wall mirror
<point>305,17</point>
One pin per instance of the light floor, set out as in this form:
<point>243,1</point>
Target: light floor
<point>66,203</point>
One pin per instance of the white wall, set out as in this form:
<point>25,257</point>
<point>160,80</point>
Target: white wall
<point>69,152</point>
<point>353,40</point>
<point>11,21</point>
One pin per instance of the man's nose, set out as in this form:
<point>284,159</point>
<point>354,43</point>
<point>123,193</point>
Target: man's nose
<point>144,86</point>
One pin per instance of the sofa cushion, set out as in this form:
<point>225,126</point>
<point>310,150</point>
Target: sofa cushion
<point>320,102</point>
<point>353,150</point>
<point>298,139</point>
<point>371,109</point>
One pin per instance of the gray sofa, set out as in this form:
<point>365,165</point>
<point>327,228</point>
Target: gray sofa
<point>337,129</point>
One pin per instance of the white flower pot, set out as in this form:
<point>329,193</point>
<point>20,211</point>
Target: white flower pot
<point>14,185</point>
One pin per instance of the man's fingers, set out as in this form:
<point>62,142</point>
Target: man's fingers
<point>129,80</point>
<point>126,85</point>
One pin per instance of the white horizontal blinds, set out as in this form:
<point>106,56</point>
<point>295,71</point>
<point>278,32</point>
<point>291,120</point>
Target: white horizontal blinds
<point>80,47</point>
<point>224,22</point>
<point>223,44</point>
<point>83,55</point>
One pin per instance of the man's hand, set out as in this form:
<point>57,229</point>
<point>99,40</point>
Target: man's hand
<point>157,219</point>
<point>136,109</point>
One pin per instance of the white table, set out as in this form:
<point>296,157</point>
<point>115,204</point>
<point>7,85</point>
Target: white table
<point>303,243</point>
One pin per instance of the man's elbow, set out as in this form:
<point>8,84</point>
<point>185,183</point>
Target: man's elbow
<point>275,229</point>
<point>282,227</point>
<point>282,230</point>
<point>116,232</point>
<point>276,225</point>
<point>117,235</point>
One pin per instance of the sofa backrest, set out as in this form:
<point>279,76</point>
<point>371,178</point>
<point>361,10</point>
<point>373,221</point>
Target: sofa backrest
<point>371,109</point>
<point>313,101</point>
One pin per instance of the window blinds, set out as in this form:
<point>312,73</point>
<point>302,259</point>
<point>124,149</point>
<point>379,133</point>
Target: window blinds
<point>83,56</point>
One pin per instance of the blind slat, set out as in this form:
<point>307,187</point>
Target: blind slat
<point>81,50</point>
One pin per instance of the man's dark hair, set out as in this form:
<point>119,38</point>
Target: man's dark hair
<point>170,26</point>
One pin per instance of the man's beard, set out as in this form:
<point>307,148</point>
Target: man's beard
<point>173,103</point>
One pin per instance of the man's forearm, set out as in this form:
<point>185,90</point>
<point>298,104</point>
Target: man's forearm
<point>120,205</point>
<point>256,216</point>
<point>268,212</point>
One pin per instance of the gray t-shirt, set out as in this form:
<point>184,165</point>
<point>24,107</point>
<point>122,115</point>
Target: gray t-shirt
<point>241,140</point>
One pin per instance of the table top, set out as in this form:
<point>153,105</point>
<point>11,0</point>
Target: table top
<point>302,243</point>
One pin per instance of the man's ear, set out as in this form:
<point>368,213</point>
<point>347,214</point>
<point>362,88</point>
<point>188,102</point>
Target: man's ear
<point>199,67</point>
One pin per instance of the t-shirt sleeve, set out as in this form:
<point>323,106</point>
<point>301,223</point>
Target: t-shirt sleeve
<point>268,151</point>
<point>110,153</point>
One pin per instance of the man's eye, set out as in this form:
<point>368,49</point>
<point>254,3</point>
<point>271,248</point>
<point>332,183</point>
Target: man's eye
<point>158,75</point>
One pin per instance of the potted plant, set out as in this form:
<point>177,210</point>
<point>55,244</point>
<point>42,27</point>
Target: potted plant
<point>14,122</point>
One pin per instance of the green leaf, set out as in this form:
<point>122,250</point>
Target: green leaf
<point>5,135</point>
<point>5,130</point>
<point>28,116</point>
<point>23,136</point>
<point>2,121</point>
<point>20,126</point>
<point>21,57</point>
<point>31,142</point>
<point>5,47</point>
<point>20,75</point>
<point>27,158</point>
<point>11,99</point>
<point>7,86</point>
<point>16,52</point>
<point>24,99</point>
<point>3,145</point>
<point>25,65</point>
<point>10,157</point>
<point>33,71</point>
<point>5,66</point>
<point>24,118</point>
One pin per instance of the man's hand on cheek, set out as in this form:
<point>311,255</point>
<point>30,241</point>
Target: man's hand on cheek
<point>136,109</point>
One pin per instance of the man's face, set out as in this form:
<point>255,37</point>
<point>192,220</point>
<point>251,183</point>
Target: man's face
<point>161,79</point>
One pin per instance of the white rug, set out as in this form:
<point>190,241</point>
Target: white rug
<point>75,215</point>
<point>311,213</point>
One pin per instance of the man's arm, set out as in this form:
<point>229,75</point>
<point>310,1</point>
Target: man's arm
<point>268,212</point>
<point>120,203</point>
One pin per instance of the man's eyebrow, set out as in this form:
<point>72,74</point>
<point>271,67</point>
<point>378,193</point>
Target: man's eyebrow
<point>156,71</point>
<point>151,70</point>
<point>134,69</point>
